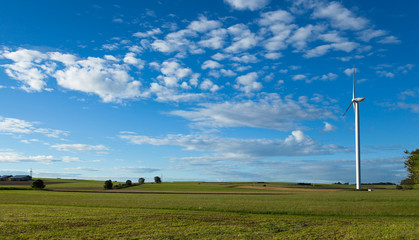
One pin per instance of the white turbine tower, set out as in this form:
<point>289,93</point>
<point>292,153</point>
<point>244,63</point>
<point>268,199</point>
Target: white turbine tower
<point>355,103</point>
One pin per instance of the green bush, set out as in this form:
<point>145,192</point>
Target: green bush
<point>38,184</point>
<point>108,184</point>
<point>128,183</point>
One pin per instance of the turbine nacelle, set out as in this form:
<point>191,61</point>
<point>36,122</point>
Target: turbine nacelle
<point>360,99</point>
<point>355,100</point>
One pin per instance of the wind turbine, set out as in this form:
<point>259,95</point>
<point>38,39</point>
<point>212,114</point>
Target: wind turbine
<point>355,104</point>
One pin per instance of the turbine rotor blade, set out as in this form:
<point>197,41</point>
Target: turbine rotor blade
<point>348,108</point>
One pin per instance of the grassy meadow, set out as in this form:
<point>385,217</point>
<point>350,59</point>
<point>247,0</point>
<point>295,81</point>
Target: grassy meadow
<point>208,211</point>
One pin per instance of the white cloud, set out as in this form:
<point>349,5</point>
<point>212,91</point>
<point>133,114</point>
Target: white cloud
<point>275,17</point>
<point>110,81</point>
<point>390,40</point>
<point>220,56</point>
<point>209,85</point>
<point>137,169</point>
<point>110,46</point>
<point>88,169</point>
<point>296,144</point>
<point>271,112</point>
<point>328,127</point>
<point>210,64</point>
<point>273,55</point>
<point>177,42</point>
<point>323,49</point>
<point>385,74</point>
<point>79,147</point>
<point>204,25</point>
<point>299,77</point>
<point>214,39</point>
<point>251,5</point>
<point>243,39</point>
<point>27,68</point>
<point>228,73</point>
<point>149,33</point>
<point>369,34</point>
<point>165,94</point>
<point>332,37</point>
<point>13,157</point>
<point>413,107</point>
<point>68,159</point>
<point>350,71</point>
<point>101,76</point>
<point>130,58</point>
<point>173,72</point>
<point>340,17</point>
<point>245,58</point>
<point>18,126</point>
<point>302,35</point>
<point>247,83</point>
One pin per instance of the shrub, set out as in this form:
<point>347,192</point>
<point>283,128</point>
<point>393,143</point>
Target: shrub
<point>108,184</point>
<point>38,184</point>
<point>128,183</point>
<point>141,180</point>
<point>157,179</point>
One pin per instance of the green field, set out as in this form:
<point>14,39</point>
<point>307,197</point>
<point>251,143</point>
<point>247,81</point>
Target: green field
<point>208,211</point>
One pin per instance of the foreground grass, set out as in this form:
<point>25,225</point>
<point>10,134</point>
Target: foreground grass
<point>382,214</point>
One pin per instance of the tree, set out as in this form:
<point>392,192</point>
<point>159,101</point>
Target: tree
<point>128,183</point>
<point>108,184</point>
<point>141,180</point>
<point>157,179</point>
<point>412,164</point>
<point>38,184</point>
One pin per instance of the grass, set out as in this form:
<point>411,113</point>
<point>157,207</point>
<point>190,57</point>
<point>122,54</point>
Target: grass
<point>381,214</point>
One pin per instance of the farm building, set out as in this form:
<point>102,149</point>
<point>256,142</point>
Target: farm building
<point>21,178</point>
<point>5,177</point>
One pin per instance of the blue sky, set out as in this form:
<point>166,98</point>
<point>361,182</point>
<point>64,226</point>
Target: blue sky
<point>229,90</point>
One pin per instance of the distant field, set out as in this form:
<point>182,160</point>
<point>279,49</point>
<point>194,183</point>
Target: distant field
<point>91,185</point>
<point>234,214</point>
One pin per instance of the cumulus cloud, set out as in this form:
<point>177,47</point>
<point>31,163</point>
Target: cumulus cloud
<point>323,49</point>
<point>173,72</point>
<point>243,38</point>
<point>27,68</point>
<point>169,94</point>
<point>101,76</point>
<point>149,33</point>
<point>79,147</point>
<point>251,5</point>
<point>18,126</point>
<point>214,39</point>
<point>296,144</point>
<point>204,25</point>
<point>328,127</point>
<point>299,77</point>
<point>13,157</point>
<point>390,40</point>
<point>209,85</point>
<point>211,65</point>
<point>248,83</point>
<point>271,112</point>
<point>369,34</point>
<point>340,17</point>
<point>111,82</point>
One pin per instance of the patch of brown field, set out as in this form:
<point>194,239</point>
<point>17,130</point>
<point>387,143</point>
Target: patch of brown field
<point>290,188</point>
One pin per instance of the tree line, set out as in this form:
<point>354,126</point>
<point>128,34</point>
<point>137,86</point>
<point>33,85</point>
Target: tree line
<point>109,184</point>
